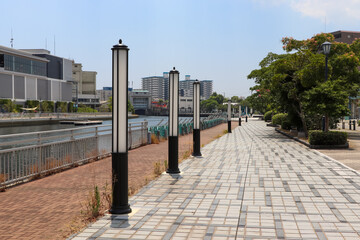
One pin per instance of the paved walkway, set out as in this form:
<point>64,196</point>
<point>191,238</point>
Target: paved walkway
<point>44,208</point>
<point>351,156</point>
<point>252,183</point>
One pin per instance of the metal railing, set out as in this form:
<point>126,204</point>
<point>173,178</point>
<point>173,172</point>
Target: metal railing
<point>23,115</point>
<point>28,155</point>
<point>186,126</point>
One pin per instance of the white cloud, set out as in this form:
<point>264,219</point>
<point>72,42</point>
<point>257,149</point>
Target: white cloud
<point>340,11</point>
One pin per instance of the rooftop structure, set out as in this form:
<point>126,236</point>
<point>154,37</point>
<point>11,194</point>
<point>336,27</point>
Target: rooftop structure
<point>25,75</point>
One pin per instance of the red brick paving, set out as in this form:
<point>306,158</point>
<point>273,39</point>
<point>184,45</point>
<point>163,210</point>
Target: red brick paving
<point>42,208</point>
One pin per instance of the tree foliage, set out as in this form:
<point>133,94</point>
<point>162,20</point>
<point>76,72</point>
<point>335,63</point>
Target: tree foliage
<point>295,82</point>
<point>130,106</point>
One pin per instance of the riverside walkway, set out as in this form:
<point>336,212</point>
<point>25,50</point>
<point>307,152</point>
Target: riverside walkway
<point>50,207</point>
<point>250,184</point>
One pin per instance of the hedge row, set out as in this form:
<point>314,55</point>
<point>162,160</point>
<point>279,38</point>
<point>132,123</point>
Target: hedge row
<point>317,137</point>
<point>268,116</point>
<point>279,118</point>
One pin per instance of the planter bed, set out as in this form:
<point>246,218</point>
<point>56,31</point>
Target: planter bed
<point>312,146</point>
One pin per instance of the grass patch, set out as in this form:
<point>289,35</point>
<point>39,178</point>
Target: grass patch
<point>154,139</point>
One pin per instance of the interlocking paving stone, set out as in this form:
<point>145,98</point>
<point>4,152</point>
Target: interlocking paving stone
<point>251,183</point>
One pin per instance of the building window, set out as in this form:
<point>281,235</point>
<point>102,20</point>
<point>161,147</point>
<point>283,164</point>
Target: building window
<point>2,60</point>
<point>338,35</point>
<point>24,65</point>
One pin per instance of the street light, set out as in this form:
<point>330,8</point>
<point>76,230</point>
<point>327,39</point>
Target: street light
<point>326,46</point>
<point>173,151</point>
<point>120,204</point>
<point>239,115</point>
<point>229,116</point>
<point>196,133</point>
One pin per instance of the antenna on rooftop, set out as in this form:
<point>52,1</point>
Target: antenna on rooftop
<point>46,43</point>
<point>12,39</point>
<point>54,46</point>
<point>325,23</point>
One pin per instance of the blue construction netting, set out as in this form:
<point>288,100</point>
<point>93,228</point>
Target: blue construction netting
<point>185,128</point>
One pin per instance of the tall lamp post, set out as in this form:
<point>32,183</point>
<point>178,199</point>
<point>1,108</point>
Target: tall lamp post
<point>326,46</point>
<point>173,122</point>
<point>196,132</point>
<point>239,115</point>
<point>120,203</point>
<point>229,116</point>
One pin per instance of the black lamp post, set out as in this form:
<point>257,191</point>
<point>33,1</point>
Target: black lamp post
<point>229,116</point>
<point>239,115</point>
<point>173,122</point>
<point>326,46</point>
<point>120,204</point>
<point>196,132</point>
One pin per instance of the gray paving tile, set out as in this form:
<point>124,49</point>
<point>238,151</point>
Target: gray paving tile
<point>251,184</point>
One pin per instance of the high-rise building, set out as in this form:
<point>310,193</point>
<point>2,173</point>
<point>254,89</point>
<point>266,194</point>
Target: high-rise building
<point>206,88</point>
<point>158,86</point>
<point>187,88</point>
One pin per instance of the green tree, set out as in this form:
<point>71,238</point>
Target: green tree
<point>130,106</point>
<point>296,79</point>
<point>217,97</point>
<point>208,105</point>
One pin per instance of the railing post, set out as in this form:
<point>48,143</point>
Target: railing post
<point>72,146</point>
<point>145,130</point>
<point>130,136</point>
<point>142,132</point>
<point>97,141</point>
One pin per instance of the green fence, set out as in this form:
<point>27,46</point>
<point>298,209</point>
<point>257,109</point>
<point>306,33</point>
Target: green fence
<point>184,128</point>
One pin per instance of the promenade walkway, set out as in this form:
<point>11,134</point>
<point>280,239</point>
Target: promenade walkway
<point>47,207</point>
<point>250,184</point>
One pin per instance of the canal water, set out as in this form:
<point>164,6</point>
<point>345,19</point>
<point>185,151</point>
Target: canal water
<point>152,121</point>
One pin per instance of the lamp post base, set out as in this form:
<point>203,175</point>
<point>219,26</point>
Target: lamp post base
<point>229,126</point>
<point>173,155</point>
<point>120,209</point>
<point>196,143</point>
<point>120,199</point>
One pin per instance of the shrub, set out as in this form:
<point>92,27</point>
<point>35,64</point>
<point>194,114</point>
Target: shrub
<point>47,106</point>
<point>268,116</point>
<point>84,109</point>
<point>318,137</point>
<point>279,118</point>
<point>358,122</point>
<point>286,124</point>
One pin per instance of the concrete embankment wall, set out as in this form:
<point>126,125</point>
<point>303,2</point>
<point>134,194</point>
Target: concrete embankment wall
<point>51,120</point>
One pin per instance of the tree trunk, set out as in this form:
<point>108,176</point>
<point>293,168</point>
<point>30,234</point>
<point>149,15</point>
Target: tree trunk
<point>326,123</point>
<point>302,117</point>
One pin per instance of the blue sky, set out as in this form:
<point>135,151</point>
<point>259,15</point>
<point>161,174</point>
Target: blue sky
<point>222,40</point>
